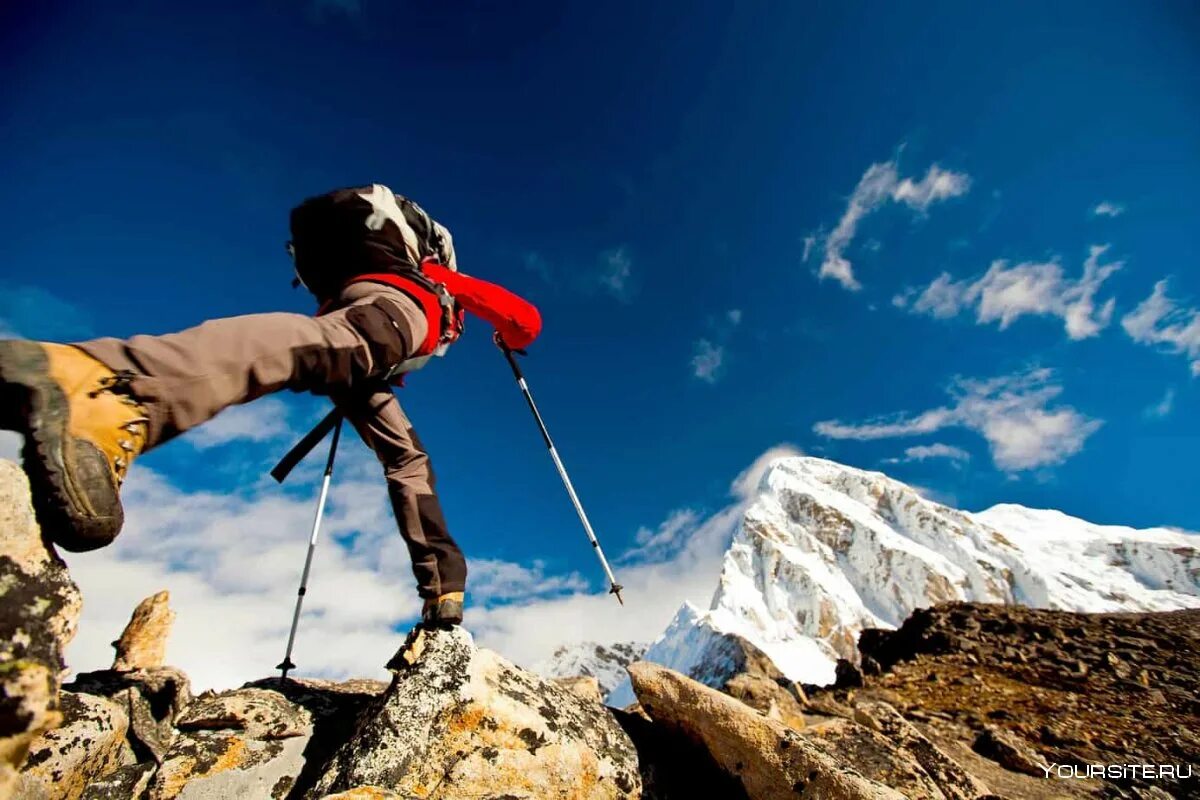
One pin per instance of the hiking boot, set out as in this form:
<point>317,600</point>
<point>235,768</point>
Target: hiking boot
<point>443,611</point>
<point>82,429</point>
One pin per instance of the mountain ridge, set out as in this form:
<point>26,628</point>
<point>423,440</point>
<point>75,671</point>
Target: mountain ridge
<point>825,551</point>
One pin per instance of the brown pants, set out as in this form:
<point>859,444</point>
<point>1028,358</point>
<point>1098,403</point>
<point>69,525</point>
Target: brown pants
<point>186,378</point>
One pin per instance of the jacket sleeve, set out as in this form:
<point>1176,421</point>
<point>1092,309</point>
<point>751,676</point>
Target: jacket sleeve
<point>514,318</point>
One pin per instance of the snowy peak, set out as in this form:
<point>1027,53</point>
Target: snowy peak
<point>605,663</point>
<point>826,550</point>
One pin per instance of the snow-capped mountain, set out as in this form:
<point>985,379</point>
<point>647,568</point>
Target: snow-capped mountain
<point>606,663</point>
<point>827,550</point>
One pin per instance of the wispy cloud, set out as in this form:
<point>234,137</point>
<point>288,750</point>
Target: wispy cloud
<point>707,360</point>
<point>264,420</point>
<point>1162,322</point>
<point>709,353</point>
<point>33,313</point>
<point>1013,413</point>
<point>496,581</point>
<point>616,273</point>
<point>1006,293</point>
<point>1163,408</point>
<point>880,184</point>
<point>925,452</point>
<point>1107,209</point>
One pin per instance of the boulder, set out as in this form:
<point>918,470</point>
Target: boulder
<point>585,687</point>
<point>219,764</point>
<point>39,613</point>
<point>143,643</point>
<point>152,698</point>
<point>460,722</point>
<point>1009,751</point>
<point>874,755</point>
<point>89,745</point>
<point>262,713</point>
<point>954,781</point>
<point>770,760</point>
<point>124,783</point>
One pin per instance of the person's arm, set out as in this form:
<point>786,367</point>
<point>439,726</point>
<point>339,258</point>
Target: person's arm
<point>515,319</point>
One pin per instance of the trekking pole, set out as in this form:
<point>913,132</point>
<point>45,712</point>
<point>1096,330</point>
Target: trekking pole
<point>287,664</point>
<point>614,587</point>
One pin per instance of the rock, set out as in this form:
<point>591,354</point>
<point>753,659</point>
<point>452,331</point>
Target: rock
<point>89,745</point>
<point>39,613</point>
<point>954,782</point>
<point>769,759</point>
<point>143,644</point>
<point>582,686</point>
<point>876,757</point>
<point>124,783</point>
<point>848,675</point>
<point>1009,751</point>
<point>152,698</point>
<point>460,722</point>
<point>365,793</point>
<point>673,766</point>
<point>214,765</point>
<point>262,713</point>
<point>767,696</point>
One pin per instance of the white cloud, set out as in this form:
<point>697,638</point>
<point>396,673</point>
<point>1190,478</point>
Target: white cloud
<point>707,360</point>
<point>616,273</point>
<point>232,566</point>
<point>810,242</point>
<point>879,184</point>
<point>924,452</point>
<point>747,484</point>
<point>734,315</point>
<point>498,580</point>
<point>264,420</point>
<point>1160,321</point>
<point>653,591</point>
<point>232,563</point>
<point>1005,294</point>
<point>1163,408</point>
<point>1012,413</point>
<point>679,560</point>
<point>1107,209</point>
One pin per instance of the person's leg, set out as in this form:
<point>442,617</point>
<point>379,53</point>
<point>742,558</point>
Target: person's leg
<point>88,409</point>
<point>438,563</point>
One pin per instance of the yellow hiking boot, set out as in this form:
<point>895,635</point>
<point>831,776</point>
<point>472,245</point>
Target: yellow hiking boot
<point>82,430</point>
<point>443,611</point>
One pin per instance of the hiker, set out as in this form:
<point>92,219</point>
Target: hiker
<point>390,297</point>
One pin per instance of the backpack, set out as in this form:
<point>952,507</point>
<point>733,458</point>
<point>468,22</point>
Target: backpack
<point>345,233</point>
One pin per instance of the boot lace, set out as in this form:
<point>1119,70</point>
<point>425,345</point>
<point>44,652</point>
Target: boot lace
<point>120,385</point>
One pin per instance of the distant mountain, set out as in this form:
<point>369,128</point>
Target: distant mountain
<point>827,550</point>
<point>606,663</point>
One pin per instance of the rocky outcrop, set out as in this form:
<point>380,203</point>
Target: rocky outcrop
<point>459,722</point>
<point>39,612</point>
<point>769,759</point>
<point>89,745</point>
<point>143,643</point>
<point>1026,688</point>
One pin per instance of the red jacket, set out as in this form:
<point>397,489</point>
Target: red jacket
<point>515,319</point>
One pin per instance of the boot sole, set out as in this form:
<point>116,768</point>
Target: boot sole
<point>32,404</point>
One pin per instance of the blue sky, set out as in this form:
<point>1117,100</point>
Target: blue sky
<point>919,239</point>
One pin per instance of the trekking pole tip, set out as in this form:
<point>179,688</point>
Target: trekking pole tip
<point>616,589</point>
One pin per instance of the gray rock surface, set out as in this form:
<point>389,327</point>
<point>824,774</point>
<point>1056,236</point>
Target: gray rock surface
<point>39,612</point>
<point>460,722</point>
<point>772,761</point>
<point>89,745</point>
